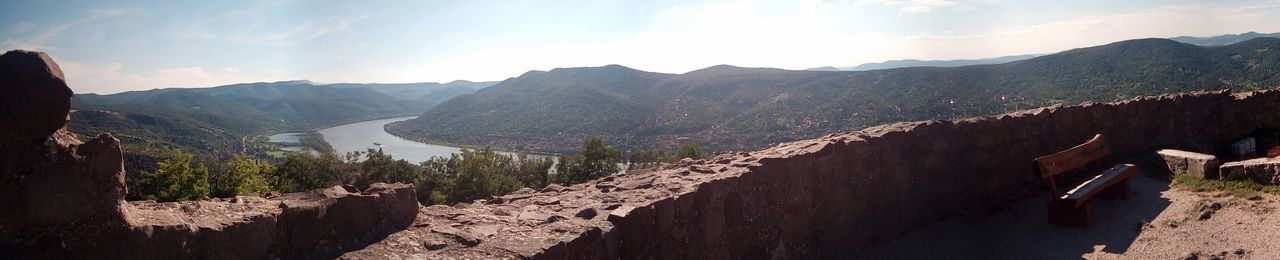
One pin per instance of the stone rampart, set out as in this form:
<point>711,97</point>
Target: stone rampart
<point>824,197</point>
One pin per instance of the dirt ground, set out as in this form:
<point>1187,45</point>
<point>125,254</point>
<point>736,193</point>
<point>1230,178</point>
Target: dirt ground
<point>1158,222</point>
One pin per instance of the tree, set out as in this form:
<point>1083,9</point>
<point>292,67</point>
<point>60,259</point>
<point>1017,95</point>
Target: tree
<point>243,175</point>
<point>597,160</point>
<point>533,171</point>
<point>481,173</point>
<point>646,159</point>
<point>303,170</point>
<point>690,151</point>
<point>380,167</point>
<point>175,180</point>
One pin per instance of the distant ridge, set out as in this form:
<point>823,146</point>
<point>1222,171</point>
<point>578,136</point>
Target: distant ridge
<point>926,63</point>
<point>1220,40</point>
<point>1225,39</point>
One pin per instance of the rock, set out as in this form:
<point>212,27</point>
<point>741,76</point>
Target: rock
<point>464,238</point>
<point>701,169</point>
<point>620,213</point>
<point>53,187</point>
<point>1239,251</point>
<point>1192,256</point>
<point>587,213</point>
<point>1246,148</point>
<point>522,191</point>
<point>433,244</point>
<point>1261,170</point>
<point>35,98</point>
<point>553,187</point>
<point>1196,164</point>
<point>1205,215</point>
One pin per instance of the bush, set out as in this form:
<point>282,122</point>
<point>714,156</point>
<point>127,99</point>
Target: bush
<point>243,175</point>
<point>597,160</point>
<point>303,171</point>
<point>174,180</point>
<point>690,151</point>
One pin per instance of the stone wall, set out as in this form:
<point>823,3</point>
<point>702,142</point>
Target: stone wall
<point>821,198</point>
<point>825,197</point>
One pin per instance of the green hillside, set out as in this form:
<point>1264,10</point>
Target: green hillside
<point>726,107</point>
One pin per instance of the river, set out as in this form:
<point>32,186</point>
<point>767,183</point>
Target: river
<point>360,136</point>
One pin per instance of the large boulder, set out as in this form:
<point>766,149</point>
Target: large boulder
<point>36,99</point>
<point>52,186</point>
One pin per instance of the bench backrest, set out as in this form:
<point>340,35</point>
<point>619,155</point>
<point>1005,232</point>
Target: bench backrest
<point>1050,165</point>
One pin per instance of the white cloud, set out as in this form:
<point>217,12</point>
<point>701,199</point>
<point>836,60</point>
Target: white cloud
<point>38,41</point>
<point>230,69</point>
<point>916,9</point>
<point>250,26</point>
<point>910,6</point>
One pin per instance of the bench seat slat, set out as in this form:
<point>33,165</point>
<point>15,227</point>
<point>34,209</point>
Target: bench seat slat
<point>1092,187</point>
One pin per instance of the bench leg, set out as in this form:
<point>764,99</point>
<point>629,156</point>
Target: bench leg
<point>1117,191</point>
<point>1064,214</point>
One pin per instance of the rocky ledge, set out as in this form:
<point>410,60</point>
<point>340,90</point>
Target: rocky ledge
<point>64,198</point>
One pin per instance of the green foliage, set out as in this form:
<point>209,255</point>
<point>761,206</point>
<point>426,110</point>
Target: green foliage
<point>174,180</point>
<point>650,158</point>
<point>647,158</point>
<point>482,173</point>
<point>303,171</point>
<point>1247,189</point>
<point>315,141</point>
<point>243,175</point>
<point>690,151</point>
<point>478,173</point>
<point>533,171</point>
<point>597,160</point>
<point>380,167</point>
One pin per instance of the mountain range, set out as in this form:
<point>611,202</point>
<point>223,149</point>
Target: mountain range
<point>727,107</point>
<point>213,122</point>
<point>1220,40</point>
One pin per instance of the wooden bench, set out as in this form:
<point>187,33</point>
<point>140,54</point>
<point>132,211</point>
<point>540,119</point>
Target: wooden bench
<point>1071,208</point>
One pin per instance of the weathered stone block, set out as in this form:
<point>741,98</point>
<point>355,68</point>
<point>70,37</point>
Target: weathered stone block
<point>1246,148</point>
<point>1197,164</point>
<point>1262,170</point>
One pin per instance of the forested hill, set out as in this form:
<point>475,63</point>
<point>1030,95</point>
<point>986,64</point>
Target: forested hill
<point>726,107</point>
<point>210,122</point>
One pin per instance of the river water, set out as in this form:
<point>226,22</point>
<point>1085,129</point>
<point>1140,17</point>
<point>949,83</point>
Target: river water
<point>360,136</point>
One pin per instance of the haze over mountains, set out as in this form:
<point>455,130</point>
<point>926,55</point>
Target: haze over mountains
<point>1226,39</point>
<point>728,107</point>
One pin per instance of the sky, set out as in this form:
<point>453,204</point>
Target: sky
<point>114,46</point>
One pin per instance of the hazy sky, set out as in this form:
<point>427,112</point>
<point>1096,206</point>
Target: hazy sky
<point>113,46</point>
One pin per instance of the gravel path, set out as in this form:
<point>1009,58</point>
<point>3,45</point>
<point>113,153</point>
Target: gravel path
<point>1156,223</point>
